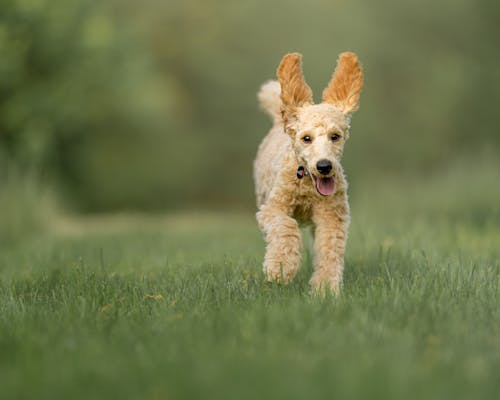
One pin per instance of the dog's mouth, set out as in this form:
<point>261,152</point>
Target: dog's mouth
<point>324,186</point>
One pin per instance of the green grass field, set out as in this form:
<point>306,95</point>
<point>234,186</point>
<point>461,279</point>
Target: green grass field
<point>175,306</point>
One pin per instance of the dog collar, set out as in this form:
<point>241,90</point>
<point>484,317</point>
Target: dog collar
<point>301,172</point>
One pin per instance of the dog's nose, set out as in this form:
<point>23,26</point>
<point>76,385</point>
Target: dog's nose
<point>324,166</point>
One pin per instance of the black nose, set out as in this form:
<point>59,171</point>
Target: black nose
<point>324,166</point>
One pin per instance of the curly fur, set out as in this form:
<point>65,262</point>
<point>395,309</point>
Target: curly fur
<point>284,201</point>
<point>345,87</point>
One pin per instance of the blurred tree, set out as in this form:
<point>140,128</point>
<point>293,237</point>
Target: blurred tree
<point>152,105</point>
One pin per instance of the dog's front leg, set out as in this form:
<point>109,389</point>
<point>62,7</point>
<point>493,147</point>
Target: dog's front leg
<point>284,244</point>
<point>330,235</point>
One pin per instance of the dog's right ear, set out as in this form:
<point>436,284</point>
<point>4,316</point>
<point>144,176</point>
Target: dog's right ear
<point>295,92</point>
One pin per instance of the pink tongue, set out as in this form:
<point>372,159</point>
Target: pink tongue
<point>325,186</point>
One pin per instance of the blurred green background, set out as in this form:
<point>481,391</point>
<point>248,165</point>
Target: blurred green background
<point>126,127</point>
<point>124,105</point>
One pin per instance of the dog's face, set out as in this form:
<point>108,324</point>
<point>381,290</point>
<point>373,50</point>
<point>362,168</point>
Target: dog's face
<point>319,131</point>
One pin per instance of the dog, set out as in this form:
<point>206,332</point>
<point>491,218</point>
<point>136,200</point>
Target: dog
<point>298,176</point>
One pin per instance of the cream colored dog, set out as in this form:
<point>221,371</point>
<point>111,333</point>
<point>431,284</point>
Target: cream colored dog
<point>298,176</point>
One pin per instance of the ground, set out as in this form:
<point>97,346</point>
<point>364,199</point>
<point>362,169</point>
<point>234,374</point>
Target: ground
<point>176,307</point>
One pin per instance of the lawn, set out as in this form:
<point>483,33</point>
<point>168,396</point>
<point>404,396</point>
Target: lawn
<point>175,306</point>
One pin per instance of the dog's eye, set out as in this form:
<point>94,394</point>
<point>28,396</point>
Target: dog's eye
<point>307,139</point>
<point>335,137</point>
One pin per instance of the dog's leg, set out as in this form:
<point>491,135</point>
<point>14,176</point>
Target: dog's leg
<point>330,235</point>
<point>284,244</point>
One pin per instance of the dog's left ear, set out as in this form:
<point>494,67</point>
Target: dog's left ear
<point>295,92</point>
<point>345,86</point>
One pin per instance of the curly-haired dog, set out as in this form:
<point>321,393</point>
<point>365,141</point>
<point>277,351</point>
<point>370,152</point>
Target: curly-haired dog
<point>298,176</point>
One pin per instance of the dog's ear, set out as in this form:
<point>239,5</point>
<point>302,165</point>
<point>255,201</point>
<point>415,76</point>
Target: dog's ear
<point>294,90</point>
<point>345,86</point>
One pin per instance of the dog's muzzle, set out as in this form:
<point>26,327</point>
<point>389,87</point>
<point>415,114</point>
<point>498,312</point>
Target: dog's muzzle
<point>324,167</point>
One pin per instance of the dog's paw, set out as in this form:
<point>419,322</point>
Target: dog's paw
<point>279,272</point>
<point>325,286</point>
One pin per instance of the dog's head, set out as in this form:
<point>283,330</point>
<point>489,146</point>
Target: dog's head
<point>319,131</point>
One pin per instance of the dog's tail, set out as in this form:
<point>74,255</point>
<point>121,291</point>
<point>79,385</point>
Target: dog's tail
<point>270,100</point>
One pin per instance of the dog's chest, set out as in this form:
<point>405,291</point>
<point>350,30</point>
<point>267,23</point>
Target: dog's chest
<point>304,200</point>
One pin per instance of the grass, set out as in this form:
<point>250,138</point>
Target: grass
<point>175,307</point>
